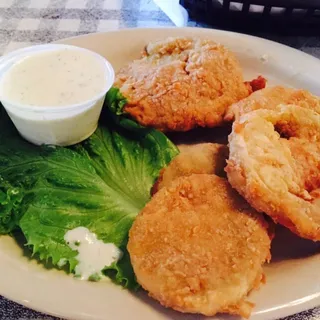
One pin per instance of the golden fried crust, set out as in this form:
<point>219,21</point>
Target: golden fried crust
<point>182,83</point>
<point>274,163</point>
<point>207,158</point>
<point>198,247</point>
<point>269,98</point>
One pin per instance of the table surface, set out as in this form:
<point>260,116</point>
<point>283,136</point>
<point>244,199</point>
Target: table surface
<point>27,22</point>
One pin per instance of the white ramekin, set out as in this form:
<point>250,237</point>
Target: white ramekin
<point>62,125</point>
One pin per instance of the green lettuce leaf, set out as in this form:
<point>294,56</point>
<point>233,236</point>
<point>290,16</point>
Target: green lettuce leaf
<point>10,206</point>
<point>100,184</point>
<point>115,103</point>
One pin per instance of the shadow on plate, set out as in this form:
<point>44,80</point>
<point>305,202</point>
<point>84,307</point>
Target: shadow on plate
<point>199,135</point>
<point>286,245</point>
<point>175,315</point>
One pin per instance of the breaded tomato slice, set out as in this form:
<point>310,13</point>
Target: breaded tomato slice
<point>182,83</point>
<point>198,247</point>
<point>271,97</point>
<point>274,164</point>
<point>207,158</point>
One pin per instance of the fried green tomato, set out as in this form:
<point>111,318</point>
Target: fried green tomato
<point>198,247</point>
<point>270,98</point>
<point>198,158</point>
<point>274,163</point>
<point>182,83</point>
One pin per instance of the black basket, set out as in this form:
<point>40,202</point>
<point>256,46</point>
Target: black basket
<point>299,17</point>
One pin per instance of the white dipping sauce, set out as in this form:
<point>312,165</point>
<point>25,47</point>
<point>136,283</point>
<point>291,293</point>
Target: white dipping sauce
<point>54,93</point>
<point>54,78</point>
<point>93,254</point>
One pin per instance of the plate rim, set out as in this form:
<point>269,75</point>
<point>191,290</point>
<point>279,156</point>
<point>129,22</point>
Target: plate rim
<point>248,36</point>
<point>297,306</point>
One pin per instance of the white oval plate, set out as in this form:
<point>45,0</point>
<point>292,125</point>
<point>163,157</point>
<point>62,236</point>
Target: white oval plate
<point>293,278</point>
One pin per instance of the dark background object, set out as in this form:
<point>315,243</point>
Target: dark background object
<point>287,17</point>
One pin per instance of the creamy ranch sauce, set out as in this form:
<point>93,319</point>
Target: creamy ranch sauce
<point>93,254</point>
<point>54,78</point>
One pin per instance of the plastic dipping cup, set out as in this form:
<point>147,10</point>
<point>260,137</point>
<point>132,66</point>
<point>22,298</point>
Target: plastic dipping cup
<point>58,125</point>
